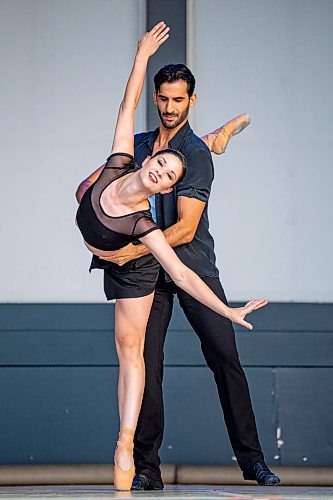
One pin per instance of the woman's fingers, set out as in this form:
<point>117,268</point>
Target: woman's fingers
<point>261,303</point>
<point>162,34</point>
<point>157,27</point>
<point>255,304</point>
<point>162,40</point>
<point>246,325</point>
<point>239,314</point>
<point>154,38</point>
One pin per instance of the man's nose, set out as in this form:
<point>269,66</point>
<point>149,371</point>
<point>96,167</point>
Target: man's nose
<point>169,107</point>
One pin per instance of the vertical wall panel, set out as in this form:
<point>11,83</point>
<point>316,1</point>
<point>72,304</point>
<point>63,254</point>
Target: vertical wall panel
<point>173,12</point>
<point>195,428</point>
<point>305,416</point>
<point>58,415</point>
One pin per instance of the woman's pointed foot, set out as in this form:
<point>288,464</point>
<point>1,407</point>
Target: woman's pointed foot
<point>124,469</point>
<point>217,141</point>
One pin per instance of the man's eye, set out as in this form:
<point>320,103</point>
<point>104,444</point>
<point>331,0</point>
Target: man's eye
<point>170,177</point>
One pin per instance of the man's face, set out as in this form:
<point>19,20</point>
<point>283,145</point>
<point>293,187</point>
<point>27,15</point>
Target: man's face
<point>173,103</point>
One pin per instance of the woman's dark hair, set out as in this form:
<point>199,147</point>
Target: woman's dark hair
<point>177,153</point>
<point>172,73</point>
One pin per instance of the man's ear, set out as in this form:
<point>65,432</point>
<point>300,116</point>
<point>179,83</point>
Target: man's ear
<point>166,191</point>
<point>155,97</point>
<point>193,100</point>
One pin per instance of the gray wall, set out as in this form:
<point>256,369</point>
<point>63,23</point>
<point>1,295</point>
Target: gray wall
<point>271,206</point>
<point>58,372</point>
<point>64,64</point>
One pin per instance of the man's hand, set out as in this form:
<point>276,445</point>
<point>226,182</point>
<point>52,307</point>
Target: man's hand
<point>125,254</point>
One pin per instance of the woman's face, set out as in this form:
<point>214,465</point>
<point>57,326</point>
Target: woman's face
<point>160,173</point>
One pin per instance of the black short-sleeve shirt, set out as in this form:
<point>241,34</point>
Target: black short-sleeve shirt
<point>199,253</point>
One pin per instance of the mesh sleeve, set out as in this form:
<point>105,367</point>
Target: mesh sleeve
<point>119,160</point>
<point>143,226</point>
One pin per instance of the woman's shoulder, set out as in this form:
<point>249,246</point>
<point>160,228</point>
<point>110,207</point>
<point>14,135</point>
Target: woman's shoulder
<point>119,159</point>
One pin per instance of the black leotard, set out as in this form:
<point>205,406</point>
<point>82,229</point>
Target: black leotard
<point>103,231</point>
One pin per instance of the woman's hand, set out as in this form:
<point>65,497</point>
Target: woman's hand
<point>150,42</point>
<point>237,314</point>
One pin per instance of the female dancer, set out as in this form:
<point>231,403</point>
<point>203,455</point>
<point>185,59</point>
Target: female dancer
<point>113,211</point>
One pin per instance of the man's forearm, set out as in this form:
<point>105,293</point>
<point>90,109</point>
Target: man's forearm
<point>176,235</point>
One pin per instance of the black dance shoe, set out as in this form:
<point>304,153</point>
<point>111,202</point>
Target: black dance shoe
<point>141,482</point>
<point>260,472</point>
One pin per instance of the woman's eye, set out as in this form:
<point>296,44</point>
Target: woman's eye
<point>170,177</point>
<point>159,162</point>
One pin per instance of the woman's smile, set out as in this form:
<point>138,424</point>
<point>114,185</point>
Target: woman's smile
<point>153,178</point>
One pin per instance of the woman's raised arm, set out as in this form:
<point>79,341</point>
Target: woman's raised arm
<point>123,141</point>
<point>189,281</point>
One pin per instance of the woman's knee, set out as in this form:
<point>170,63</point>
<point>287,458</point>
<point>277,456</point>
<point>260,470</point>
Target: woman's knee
<point>129,344</point>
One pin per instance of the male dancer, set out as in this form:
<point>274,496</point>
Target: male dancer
<point>182,215</point>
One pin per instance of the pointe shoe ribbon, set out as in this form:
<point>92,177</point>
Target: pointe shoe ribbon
<point>123,477</point>
<point>217,141</point>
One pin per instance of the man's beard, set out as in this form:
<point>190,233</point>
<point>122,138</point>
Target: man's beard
<point>180,119</point>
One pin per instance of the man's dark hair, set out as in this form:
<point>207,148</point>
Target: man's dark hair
<point>172,73</point>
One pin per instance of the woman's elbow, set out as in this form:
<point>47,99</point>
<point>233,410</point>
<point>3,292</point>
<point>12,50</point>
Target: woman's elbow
<point>179,276</point>
<point>78,195</point>
<point>80,191</point>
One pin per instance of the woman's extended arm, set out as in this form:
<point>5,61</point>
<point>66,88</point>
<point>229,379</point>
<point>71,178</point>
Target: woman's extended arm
<point>123,141</point>
<point>186,279</point>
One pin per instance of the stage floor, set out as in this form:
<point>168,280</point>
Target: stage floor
<point>170,493</point>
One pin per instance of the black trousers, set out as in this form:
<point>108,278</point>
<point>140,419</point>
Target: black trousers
<point>218,345</point>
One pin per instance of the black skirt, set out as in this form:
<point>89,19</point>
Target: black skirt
<point>136,278</point>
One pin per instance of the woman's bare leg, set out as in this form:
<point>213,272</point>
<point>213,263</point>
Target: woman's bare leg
<point>217,141</point>
<point>130,327</point>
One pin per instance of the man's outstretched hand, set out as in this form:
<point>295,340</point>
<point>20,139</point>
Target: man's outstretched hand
<point>237,314</point>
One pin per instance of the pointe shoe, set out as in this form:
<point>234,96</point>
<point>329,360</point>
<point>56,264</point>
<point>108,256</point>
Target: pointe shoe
<point>217,141</point>
<point>123,477</point>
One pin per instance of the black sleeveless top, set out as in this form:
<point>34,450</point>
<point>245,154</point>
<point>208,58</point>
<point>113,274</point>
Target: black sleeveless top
<point>103,231</point>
